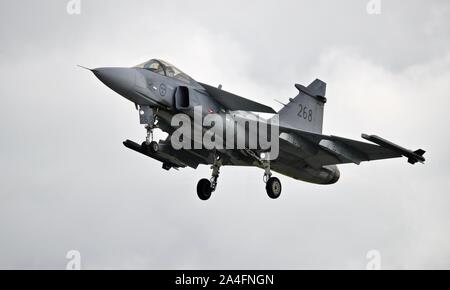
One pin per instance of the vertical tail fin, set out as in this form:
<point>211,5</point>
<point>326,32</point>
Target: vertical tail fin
<point>305,111</point>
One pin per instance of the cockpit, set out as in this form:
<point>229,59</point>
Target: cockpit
<point>166,69</point>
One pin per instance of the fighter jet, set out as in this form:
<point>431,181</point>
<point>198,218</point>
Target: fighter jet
<point>161,91</point>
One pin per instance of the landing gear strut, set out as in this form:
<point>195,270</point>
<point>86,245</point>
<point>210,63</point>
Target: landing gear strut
<point>149,137</point>
<point>206,187</point>
<point>147,116</point>
<point>273,184</point>
<point>149,143</point>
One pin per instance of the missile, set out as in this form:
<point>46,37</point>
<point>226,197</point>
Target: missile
<point>413,156</point>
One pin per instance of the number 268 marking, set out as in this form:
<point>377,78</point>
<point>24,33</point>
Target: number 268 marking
<point>305,113</point>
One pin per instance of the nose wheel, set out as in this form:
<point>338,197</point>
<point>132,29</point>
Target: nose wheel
<point>149,144</point>
<point>147,116</point>
<point>153,146</point>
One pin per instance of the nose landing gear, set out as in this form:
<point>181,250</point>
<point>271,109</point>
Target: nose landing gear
<point>147,116</point>
<point>153,146</point>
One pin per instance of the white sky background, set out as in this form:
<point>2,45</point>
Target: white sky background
<point>67,182</point>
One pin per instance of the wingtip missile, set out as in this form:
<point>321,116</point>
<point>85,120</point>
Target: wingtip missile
<point>413,156</point>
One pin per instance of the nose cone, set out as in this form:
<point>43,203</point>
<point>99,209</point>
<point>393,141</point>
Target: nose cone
<point>121,80</point>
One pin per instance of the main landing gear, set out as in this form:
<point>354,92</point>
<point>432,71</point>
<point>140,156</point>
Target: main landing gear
<point>273,184</point>
<point>205,187</point>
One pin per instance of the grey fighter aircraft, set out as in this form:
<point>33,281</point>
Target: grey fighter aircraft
<point>159,91</point>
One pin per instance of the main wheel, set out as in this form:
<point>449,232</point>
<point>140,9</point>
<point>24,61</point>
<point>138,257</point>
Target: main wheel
<point>273,188</point>
<point>204,189</point>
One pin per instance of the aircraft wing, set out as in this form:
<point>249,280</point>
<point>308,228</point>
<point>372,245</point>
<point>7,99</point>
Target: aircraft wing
<point>297,147</point>
<point>234,102</point>
<point>331,150</point>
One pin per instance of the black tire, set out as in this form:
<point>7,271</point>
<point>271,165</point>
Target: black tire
<point>204,189</point>
<point>273,188</point>
<point>154,146</point>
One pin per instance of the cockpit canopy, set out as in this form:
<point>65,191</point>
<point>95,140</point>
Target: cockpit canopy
<point>166,69</point>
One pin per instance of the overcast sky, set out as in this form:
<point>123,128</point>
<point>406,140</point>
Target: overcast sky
<point>67,182</point>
